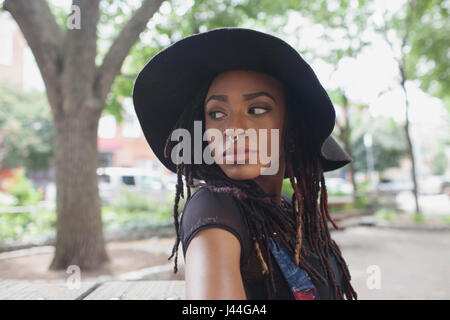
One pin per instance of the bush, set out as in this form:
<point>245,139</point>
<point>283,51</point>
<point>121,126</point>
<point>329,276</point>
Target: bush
<point>386,214</point>
<point>24,191</point>
<point>139,214</point>
<point>363,186</point>
<point>133,202</point>
<point>135,213</point>
<point>16,225</point>
<point>362,201</point>
<point>417,217</point>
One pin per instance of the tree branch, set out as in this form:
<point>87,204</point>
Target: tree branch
<point>45,39</point>
<point>121,46</point>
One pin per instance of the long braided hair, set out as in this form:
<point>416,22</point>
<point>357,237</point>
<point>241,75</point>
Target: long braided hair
<point>306,217</point>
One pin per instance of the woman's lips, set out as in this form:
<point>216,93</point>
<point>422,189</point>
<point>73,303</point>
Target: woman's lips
<point>233,150</point>
<point>234,155</point>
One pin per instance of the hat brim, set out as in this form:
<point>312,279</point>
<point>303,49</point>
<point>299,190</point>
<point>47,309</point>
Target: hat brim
<point>332,155</point>
<point>170,80</point>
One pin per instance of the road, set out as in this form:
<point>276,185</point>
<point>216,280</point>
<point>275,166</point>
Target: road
<point>411,264</point>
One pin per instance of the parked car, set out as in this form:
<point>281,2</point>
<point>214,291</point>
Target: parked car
<point>150,182</point>
<point>338,186</point>
<point>394,186</point>
<point>431,185</point>
<point>445,188</point>
<point>113,180</point>
<point>428,185</point>
<point>170,181</point>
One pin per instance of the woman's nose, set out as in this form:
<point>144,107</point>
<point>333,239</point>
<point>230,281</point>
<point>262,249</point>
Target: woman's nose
<point>236,123</point>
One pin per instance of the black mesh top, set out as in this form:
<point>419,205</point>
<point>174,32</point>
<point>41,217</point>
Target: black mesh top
<point>206,209</point>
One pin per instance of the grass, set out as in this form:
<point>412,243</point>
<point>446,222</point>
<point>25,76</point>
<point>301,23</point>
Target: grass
<point>418,218</point>
<point>446,218</point>
<point>386,214</point>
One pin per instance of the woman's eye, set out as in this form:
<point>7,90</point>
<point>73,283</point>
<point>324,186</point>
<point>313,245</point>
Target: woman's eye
<point>259,110</point>
<point>212,114</point>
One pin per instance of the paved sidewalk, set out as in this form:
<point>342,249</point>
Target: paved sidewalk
<point>413,264</point>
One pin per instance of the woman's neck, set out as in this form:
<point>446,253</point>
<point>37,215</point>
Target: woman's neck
<point>272,184</point>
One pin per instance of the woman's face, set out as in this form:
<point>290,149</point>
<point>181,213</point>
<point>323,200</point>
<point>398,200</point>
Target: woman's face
<point>245,100</point>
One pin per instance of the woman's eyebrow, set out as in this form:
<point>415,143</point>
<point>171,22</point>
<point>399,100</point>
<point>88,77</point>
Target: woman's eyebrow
<point>247,96</point>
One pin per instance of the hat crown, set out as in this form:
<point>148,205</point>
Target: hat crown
<point>173,76</point>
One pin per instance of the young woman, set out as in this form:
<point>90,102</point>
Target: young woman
<point>242,237</point>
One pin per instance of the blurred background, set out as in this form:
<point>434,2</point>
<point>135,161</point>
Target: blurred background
<point>79,185</point>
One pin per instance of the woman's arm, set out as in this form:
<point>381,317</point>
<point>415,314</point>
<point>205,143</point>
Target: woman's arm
<point>212,266</point>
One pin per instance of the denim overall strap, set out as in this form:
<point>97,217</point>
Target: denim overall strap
<point>299,282</point>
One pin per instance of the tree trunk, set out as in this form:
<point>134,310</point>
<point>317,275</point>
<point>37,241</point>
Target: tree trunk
<point>79,227</point>
<point>410,145</point>
<point>77,90</point>
<point>413,167</point>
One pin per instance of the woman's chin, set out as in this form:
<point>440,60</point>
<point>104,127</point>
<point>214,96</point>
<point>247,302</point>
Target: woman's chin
<point>241,171</point>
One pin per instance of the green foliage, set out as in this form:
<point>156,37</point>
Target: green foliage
<point>134,216</point>
<point>26,123</point>
<point>440,162</point>
<point>427,26</point>
<point>388,143</point>
<point>363,186</point>
<point>423,29</point>
<point>336,193</point>
<point>14,226</point>
<point>179,20</point>
<point>386,214</point>
<point>135,212</point>
<point>135,203</point>
<point>418,218</point>
<point>60,15</point>
<point>287,188</point>
<point>132,202</point>
<point>350,18</point>
<point>24,191</point>
<point>362,201</point>
<point>150,215</point>
<point>446,218</point>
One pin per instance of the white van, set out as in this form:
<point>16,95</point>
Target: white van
<point>113,180</point>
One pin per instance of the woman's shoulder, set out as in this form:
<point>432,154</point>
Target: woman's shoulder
<point>206,203</point>
<point>207,209</point>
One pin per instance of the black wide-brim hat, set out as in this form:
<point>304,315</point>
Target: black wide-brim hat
<point>171,79</point>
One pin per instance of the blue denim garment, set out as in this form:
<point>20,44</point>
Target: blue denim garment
<point>299,282</point>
